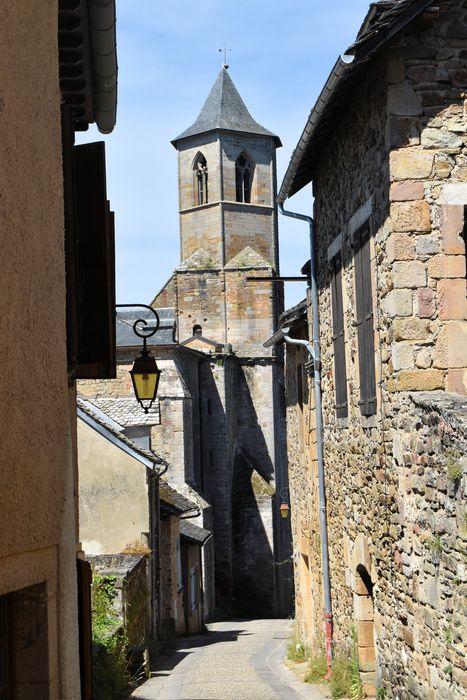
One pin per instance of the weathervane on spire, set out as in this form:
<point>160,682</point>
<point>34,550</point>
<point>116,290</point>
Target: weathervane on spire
<point>225,49</point>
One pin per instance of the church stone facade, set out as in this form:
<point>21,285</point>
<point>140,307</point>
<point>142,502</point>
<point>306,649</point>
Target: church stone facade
<point>224,313</point>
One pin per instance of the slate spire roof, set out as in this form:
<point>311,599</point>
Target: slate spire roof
<point>225,109</point>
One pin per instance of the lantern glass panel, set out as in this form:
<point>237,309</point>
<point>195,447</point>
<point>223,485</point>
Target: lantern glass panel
<point>145,385</point>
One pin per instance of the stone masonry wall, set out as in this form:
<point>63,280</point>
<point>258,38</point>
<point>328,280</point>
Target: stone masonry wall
<point>304,499</point>
<point>397,157</point>
<point>421,622</point>
<point>423,269</point>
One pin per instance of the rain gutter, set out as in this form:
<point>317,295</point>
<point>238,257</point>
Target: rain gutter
<point>102,31</point>
<point>338,73</point>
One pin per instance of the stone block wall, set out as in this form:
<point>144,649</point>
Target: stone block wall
<point>304,499</point>
<point>421,585</point>
<point>261,153</point>
<point>424,267</point>
<point>187,153</point>
<point>396,156</point>
<point>250,308</point>
<point>201,301</point>
<point>172,607</point>
<point>249,224</point>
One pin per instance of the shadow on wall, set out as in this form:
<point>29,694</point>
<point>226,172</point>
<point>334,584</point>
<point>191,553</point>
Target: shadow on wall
<point>252,503</point>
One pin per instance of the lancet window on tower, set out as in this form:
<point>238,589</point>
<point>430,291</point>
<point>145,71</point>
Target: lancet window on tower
<point>200,168</point>
<point>243,178</point>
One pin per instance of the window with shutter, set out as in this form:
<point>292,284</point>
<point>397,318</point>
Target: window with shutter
<point>338,338</point>
<point>95,265</point>
<point>364,320</point>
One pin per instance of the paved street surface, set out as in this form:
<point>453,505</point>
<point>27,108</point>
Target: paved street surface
<point>239,660</point>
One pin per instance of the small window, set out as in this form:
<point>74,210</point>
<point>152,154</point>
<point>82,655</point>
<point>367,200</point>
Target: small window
<point>197,330</point>
<point>364,320</point>
<point>243,178</point>
<point>200,169</point>
<point>338,338</point>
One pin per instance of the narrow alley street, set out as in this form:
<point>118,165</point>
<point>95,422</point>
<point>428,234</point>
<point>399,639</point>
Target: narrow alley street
<point>239,660</point>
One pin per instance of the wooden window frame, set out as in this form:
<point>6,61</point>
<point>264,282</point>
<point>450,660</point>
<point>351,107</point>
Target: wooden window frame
<point>364,318</point>
<point>338,338</point>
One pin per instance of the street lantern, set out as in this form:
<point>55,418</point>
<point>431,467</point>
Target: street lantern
<point>145,373</point>
<point>284,510</point>
<point>145,376</point>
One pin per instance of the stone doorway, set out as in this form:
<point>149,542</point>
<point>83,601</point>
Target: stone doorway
<point>363,585</point>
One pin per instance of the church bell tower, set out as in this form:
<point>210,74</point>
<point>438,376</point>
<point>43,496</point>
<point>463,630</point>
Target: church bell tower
<point>226,307</point>
<point>228,222</point>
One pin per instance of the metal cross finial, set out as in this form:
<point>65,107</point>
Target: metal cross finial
<point>225,49</point>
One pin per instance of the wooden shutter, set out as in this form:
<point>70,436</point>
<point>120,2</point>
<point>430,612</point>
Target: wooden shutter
<point>364,320</point>
<point>338,338</point>
<point>95,255</point>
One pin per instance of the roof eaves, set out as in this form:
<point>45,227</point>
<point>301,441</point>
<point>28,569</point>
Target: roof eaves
<point>367,43</point>
<point>146,457</point>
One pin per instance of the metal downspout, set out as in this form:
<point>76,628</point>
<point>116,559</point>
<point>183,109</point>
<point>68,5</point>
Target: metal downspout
<point>315,352</point>
<point>155,544</point>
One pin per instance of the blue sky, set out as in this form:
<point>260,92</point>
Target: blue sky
<point>282,53</point>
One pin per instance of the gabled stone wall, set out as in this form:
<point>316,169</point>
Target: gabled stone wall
<point>397,157</point>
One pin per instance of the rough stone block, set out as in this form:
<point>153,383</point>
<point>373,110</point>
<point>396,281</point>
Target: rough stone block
<point>409,275</point>
<point>365,634</point>
<point>443,168</point>
<point>423,358</point>
<point>410,164</point>
<point>411,329</point>
<point>398,303</point>
<point>426,302</point>
<point>452,301</point>
<point>451,346</point>
<point>404,101</point>
<point>400,247</point>
<point>454,193</point>
<point>427,245</point>
<point>402,356</point>
<point>406,191</point>
<point>368,683</point>
<point>446,266</point>
<point>363,607</point>
<point>402,131</point>
<point>452,225</point>
<point>420,666</point>
<point>366,658</point>
<point>457,381</point>
<point>435,138</point>
<point>420,380</point>
<point>408,636</point>
<point>410,216</point>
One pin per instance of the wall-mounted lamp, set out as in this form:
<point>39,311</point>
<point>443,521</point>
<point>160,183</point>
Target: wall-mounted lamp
<point>284,510</point>
<point>145,373</point>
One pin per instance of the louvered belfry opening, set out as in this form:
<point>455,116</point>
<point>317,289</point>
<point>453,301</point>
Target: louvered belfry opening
<point>243,176</point>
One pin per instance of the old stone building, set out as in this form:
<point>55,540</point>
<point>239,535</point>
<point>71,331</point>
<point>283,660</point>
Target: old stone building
<point>44,328</point>
<point>220,422</point>
<point>385,148</point>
